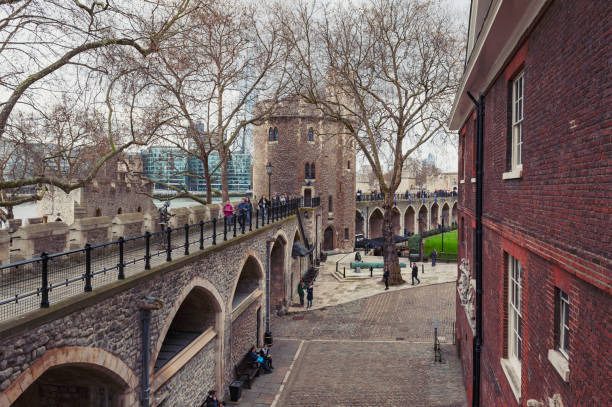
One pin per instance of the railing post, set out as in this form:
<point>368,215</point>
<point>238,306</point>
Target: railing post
<point>147,250</point>
<point>257,219</point>
<point>44,301</point>
<point>186,239</point>
<point>267,218</point>
<point>225,228</point>
<point>121,266</point>
<point>250,221</point>
<point>87,267</point>
<point>214,236</point>
<point>234,219</point>
<point>201,234</point>
<point>169,244</point>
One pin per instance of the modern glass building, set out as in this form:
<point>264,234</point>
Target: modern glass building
<point>173,166</point>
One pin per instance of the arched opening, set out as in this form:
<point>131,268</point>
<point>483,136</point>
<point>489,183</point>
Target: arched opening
<point>270,134</point>
<point>74,386</point>
<point>422,219</point>
<point>58,219</point>
<point>396,220</point>
<point>277,274</point>
<point>454,214</point>
<point>195,316</point>
<point>433,224</point>
<point>310,134</point>
<point>276,134</point>
<point>248,282</point>
<point>98,212</point>
<point>445,215</point>
<point>409,220</point>
<point>296,268</point>
<point>119,211</point>
<point>375,224</point>
<point>359,223</point>
<point>328,238</point>
<point>307,197</point>
<point>139,209</point>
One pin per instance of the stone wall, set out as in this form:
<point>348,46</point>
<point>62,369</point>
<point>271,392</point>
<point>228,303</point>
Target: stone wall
<point>4,246</point>
<point>151,221</point>
<point>93,230</point>
<point>108,320</point>
<point>244,332</point>
<point>180,216</point>
<point>30,241</point>
<point>127,225</point>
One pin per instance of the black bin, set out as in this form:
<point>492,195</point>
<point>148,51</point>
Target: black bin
<point>235,389</point>
<point>268,338</point>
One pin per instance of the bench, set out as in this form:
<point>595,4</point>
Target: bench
<point>247,370</point>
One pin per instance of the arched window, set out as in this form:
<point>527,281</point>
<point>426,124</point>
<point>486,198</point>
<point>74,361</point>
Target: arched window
<point>271,134</point>
<point>276,134</point>
<point>312,171</point>
<point>98,212</point>
<point>348,165</point>
<point>330,204</point>
<point>307,171</point>
<point>139,209</point>
<point>310,134</point>
<point>119,211</point>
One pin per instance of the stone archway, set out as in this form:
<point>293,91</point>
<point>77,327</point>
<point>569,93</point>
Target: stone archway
<point>278,296</point>
<point>359,223</point>
<point>396,221</point>
<point>84,373</point>
<point>445,215</point>
<point>409,220</point>
<point>423,219</point>
<point>454,214</point>
<point>375,223</point>
<point>296,269</point>
<point>433,223</point>
<point>329,238</point>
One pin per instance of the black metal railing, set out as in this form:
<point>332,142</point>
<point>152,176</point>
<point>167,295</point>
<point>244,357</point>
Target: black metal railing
<point>41,281</point>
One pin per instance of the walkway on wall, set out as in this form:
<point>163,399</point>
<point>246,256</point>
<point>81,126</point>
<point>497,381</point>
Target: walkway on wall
<point>69,273</point>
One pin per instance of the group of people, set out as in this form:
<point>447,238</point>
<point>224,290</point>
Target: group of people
<point>439,193</point>
<point>308,290</point>
<point>244,210</point>
<point>263,358</point>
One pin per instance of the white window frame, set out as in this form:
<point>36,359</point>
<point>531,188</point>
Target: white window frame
<point>518,98</point>
<point>515,322</point>
<point>564,329</point>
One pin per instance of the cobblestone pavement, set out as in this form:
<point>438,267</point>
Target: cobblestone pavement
<point>375,352</point>
<point>406,314</point>
<point>330,290</point>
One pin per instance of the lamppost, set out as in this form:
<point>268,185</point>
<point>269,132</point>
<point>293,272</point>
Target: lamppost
<point>442,234</point>
<point>269,172</point>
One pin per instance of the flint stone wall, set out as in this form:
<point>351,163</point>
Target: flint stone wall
<point>127,225</point>
<point>93,230</point>
<point>113,323</point>
<point>30,241</point>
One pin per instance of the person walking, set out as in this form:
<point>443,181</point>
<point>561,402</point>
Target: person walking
<point>386,278</point>
<point>249,210</point>
<point>228,211</point>
<point>309,295</point>
<point>263,207</point>
<point>415,273</point>
<point>300,290</point>
<point>241,212</point>
<point>433,254</point>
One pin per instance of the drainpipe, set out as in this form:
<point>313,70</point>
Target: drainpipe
<point>268,334</point>
<point>147,305</point>
<point>478,246</point>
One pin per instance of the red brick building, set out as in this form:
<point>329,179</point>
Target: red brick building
<point>542,75</point>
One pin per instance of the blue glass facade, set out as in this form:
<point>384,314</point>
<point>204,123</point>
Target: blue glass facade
<point>173,166</point>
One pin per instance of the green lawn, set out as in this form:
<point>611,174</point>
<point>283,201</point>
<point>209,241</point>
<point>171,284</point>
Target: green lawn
<point>450,243</point>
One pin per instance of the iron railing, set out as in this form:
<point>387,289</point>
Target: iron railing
<point>41,281</point>
<point>402,197</point>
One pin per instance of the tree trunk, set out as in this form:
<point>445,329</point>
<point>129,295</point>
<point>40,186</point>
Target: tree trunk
<point>208,180</point>
<point>224,184</point>
<point>389,253</point>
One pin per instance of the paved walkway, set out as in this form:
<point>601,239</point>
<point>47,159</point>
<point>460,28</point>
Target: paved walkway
<point>329,290</point>
<point>375,351</point>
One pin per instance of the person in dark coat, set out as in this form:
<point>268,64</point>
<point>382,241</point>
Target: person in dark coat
<point>415,273</point>
<point>254,356</point>
<point>309,295</point>
<point>300,290</point>
<point>386,278</point>
<point>433,254</point>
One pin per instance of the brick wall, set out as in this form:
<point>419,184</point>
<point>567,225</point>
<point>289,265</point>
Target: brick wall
<point>556,216</point>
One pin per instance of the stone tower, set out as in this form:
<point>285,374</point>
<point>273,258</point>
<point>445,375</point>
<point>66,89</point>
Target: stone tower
<point>311,156</point>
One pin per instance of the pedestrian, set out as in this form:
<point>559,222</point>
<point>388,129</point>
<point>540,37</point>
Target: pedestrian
<point>249,210</point>
<point>241,212</point>
<point>228,211</point>
<point>263,207</point>
<point>264,352</point>
<point>386,278</point>
<point>211,400</point>
<point>433,255</point>
<point>415,273</point>
<point>300,290</point>
<point>309,295</point>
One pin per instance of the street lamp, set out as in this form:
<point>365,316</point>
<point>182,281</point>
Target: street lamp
<point>269,172</point>
<point>442,234</point>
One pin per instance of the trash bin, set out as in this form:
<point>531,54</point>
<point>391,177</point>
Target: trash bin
<point>235,389</point>
<point>268,338</point>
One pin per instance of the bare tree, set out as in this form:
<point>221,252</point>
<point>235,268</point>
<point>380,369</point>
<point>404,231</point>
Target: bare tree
<point>387,70</point>
<point>61,72</point>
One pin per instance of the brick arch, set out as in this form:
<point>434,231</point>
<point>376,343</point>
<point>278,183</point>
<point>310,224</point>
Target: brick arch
<point>74,355</point>
<point>251,253</point>
<point>196,282</point>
